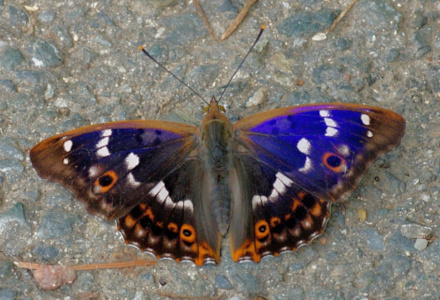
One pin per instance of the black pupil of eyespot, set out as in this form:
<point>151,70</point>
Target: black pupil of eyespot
<point>334,161</point>
<point>105,180</point>
<point>262,228</point>
<point>186,232</point>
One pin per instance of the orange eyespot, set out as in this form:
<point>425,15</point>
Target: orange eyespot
<point>334,162</point>
<point>187,233</point>
<point>262,229</point>
<point>105,182</point>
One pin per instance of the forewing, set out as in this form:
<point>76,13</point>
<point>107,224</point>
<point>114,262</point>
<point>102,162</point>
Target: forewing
<point>111,167</point>
<point>324,149</point>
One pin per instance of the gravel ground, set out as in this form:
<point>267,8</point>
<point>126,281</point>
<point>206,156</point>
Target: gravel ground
<point>66,64</point>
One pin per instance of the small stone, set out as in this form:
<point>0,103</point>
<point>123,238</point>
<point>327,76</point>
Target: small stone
<point>222,282</point>
<point>15,214</point>
<point>55,224</point>
<point>421,244</point>
<point>362,214</point>
<point>12,169</point>
<point>45,54</point>
<point>306,23</point>
<point>52,277</point>
<point>10,59</point>
<point>45,253</point>
<point>46,16</point>
<point>415,231</point>
<point>9,149</point>
<point>257,98</point>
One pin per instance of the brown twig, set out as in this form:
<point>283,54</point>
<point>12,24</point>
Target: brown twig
<point>323,36</point>
<point>205,19</point>
<point>237,20</point>
<point>114,265</point>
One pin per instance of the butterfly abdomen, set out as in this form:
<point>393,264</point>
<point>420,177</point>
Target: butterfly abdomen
<point>216,150</point>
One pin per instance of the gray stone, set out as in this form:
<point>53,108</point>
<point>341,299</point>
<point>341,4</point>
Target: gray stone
<point>7,294</point>
<point>292,293</point>
<point>45,253</point>
<point>14,214</point>
<point>63,35</point>
<point>421,244</point>
<point>190,28</point>
<point>44,54</point>
<point>246,282</point>
<point>222,282</point>
<point>374,240</point>
<point>5,269</point>
<point>56,224</point>
<point>7,86</point>
<point>9,149</point>
<point>10,58</point>
<point>306,23</point>
<point>12,169</point>
<point>46,16</point>
<point>415,231</point>
<point>17,16</point>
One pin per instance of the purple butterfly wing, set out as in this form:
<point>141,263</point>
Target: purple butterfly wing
<point>141,173</point>
<point>297,160</point>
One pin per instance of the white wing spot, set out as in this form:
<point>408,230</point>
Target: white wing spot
<point>163,194</point>
<point>258,200</point>
<point>187,204</point>
<point>307,166</point>
<point>304,146</point>
<point>131,161</point>
<point>68,145</point>
<point>324,113</point>
<point>330,122</point>
<point>344,150</point>
<point>133,182</point>
<point>369,133</point>
<point>93,171</point>
<point>102,142</point>
<point>103,152</point>
<point>155,190</point>
<point>66,161</point>
<point>330,131</point>
<point>365,119</point>
<point>284,179</point>
<point>106,132</point>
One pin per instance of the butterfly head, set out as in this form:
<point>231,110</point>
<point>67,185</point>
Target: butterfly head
<point>214,111</point>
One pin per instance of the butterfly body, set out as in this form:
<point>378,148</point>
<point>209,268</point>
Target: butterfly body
<point>266,181</point>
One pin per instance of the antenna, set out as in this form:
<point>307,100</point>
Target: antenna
<point>171,73</point>
<point>239,66</point>
<point>191,89</point>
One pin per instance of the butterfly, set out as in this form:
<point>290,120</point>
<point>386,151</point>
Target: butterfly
<point>267,181</point>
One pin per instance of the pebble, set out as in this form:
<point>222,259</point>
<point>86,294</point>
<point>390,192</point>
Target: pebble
<point>415,231</point>
<point>44,54</point>
<point>10,59</point>
<point>306,23</point>
<point>56,224</point>
<point>257,98</point>
<point>12,168</point>
<point>46,16</point>
<point>421,244</point>
<point>374,240</point>
<point>9,149</point>
<point>44,253</point>
<point>222,282</point>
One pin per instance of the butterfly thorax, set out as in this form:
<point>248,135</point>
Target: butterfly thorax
<point>216,151</point>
